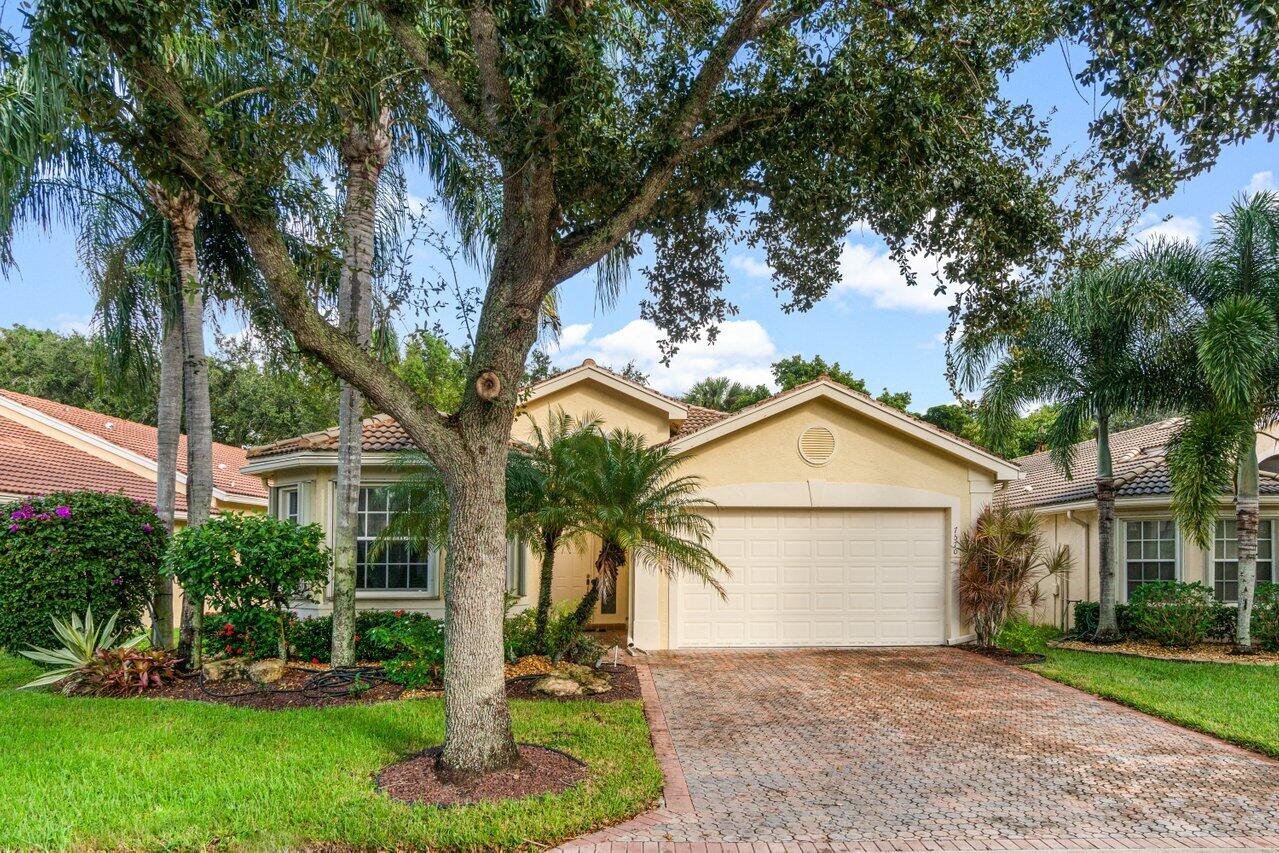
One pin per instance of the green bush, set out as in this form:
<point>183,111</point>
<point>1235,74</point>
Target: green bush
<point>1265,617</point>
<point>312,638</point>
<point>417,647</point>
<point>238,562</point>
<point>1022,637</point>
<point>1087,614</point>
<point>564,637</point>
<point>252,632</point>
<point>1172,614</point>
<point>74,551</point>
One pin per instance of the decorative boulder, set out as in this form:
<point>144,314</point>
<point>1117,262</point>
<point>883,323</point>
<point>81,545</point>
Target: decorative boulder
<point>553,685</point>
<point>267,671</point>
<point>226,669</point>
<point>591,680</point>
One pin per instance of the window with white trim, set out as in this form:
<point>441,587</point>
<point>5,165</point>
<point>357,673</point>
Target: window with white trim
<point>1225,557</point>
<point>288,504</point>
<point>1150,553</point>
<point>396,565</point>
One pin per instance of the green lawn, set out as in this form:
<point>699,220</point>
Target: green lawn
<point>1235,702</point>
<point>142,773</point>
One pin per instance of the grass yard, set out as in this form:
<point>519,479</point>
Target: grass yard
<point>142,773</point>
<point>1235,702</point>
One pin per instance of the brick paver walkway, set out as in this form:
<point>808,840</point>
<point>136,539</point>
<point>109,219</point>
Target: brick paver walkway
<point>927,749</point>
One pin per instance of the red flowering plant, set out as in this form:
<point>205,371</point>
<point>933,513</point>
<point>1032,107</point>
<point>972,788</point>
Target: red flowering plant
<point>126,671</point>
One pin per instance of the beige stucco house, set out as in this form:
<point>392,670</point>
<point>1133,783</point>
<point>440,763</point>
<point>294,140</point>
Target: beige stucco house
<point>1148,543</point>
<point>836,514</point>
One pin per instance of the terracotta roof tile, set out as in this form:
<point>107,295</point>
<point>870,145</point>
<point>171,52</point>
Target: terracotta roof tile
<point>141,439</point>
<point>1140,466</point>
<point>34,464</point>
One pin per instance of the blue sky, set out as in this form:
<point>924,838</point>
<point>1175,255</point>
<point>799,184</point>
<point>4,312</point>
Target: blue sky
<point>871,323</point>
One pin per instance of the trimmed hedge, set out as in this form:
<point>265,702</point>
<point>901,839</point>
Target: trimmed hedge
<point>1265,617</point>
<point>71,551</point>
<point>1221,625</point>
<point>1172,614</point>
<point>312,638</point>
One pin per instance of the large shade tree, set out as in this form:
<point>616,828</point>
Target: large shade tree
<point>585,126</point>
<point>1225,356</point>
<point>1084,347</point>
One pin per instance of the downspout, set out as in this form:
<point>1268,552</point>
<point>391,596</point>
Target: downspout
<point>1070,514</point>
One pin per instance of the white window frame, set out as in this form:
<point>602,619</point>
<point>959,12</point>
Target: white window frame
<point>433,564</point>
<point>1212,554</point>
<point>1122,549</point>
<point>282,497</point>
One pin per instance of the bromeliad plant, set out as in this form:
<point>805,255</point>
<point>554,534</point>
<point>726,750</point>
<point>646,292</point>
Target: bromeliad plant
<point>81,642</point>
<point>1003,559</point>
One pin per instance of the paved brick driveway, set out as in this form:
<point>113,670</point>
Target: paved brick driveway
<point>930,749</point>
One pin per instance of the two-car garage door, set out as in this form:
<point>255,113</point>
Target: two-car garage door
<point>807,577</point>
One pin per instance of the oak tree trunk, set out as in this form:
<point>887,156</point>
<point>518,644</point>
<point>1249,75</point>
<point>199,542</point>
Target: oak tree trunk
<point>1247,510</point>
<point>477,722</point>
<point>168,435</point>
<point>182,212</point>
<point>365,152</point>
<point>1107,622</point>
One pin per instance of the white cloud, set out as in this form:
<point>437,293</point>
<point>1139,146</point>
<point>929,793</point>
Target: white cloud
<point>937,341</point>
<point>73,324</point>
<point>751,266</point>
<point>1179,228</point>
<point>743,351</point>
<point>872,273</point>
<point>1261,181</point>
<point>572,335</point>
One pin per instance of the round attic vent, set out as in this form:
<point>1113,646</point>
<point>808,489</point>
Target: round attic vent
<point>817,445</point>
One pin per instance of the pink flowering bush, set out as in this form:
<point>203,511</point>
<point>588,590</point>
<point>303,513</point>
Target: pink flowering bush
<point>69,552</point>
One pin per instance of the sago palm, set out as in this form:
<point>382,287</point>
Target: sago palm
<point>1229,360</point>
<point>1083,348</point>
<point>637,505</point>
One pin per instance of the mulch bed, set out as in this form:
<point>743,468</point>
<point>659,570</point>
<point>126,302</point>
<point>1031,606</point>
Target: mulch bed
<point>625,686</point>
<point>286,693</point>
<point>1003,655</point>
<point>540,771</point>
<point>275,697</point>
<point>1203,653</point>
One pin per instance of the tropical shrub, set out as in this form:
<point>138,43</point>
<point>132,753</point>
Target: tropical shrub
<point>79,642</point>
<point>1087,613</point>
<point>1002,560</point>
<point>312,638</point>
<point>1265,616</point>
<point>417,647</point>
<point>564,638</point>
<point>1172,614</point>
<point>126,671</point>
<point>253,632</point>
<point>237,562</point>
<point>1023,637</point>
<point>71,552</point>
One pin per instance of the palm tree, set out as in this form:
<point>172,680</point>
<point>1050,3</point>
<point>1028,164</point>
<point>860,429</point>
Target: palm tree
<point>1230,348</point>
<point>554,514</point>
<point>636,505</point>
<point>1082,347</point>
<point>723,394</point>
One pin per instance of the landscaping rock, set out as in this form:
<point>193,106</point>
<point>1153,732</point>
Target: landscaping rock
<point>553,685</point>
<point>591,680</point>
<point>226,669</point>
<point>267,671</point>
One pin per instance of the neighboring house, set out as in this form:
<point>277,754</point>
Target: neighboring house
<point>837,515</point>
<point>1149,546</point>
<point>49,447</point>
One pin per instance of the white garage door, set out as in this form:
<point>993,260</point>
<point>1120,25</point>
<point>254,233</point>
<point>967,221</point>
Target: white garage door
<point>820,578</point>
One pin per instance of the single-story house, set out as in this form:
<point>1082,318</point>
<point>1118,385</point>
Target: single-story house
<point>51,447</point>
<point>836,514</point>
<point>1148,543</point>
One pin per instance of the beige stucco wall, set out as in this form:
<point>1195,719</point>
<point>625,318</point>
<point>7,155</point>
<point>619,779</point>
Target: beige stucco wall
<point>615,409</point>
